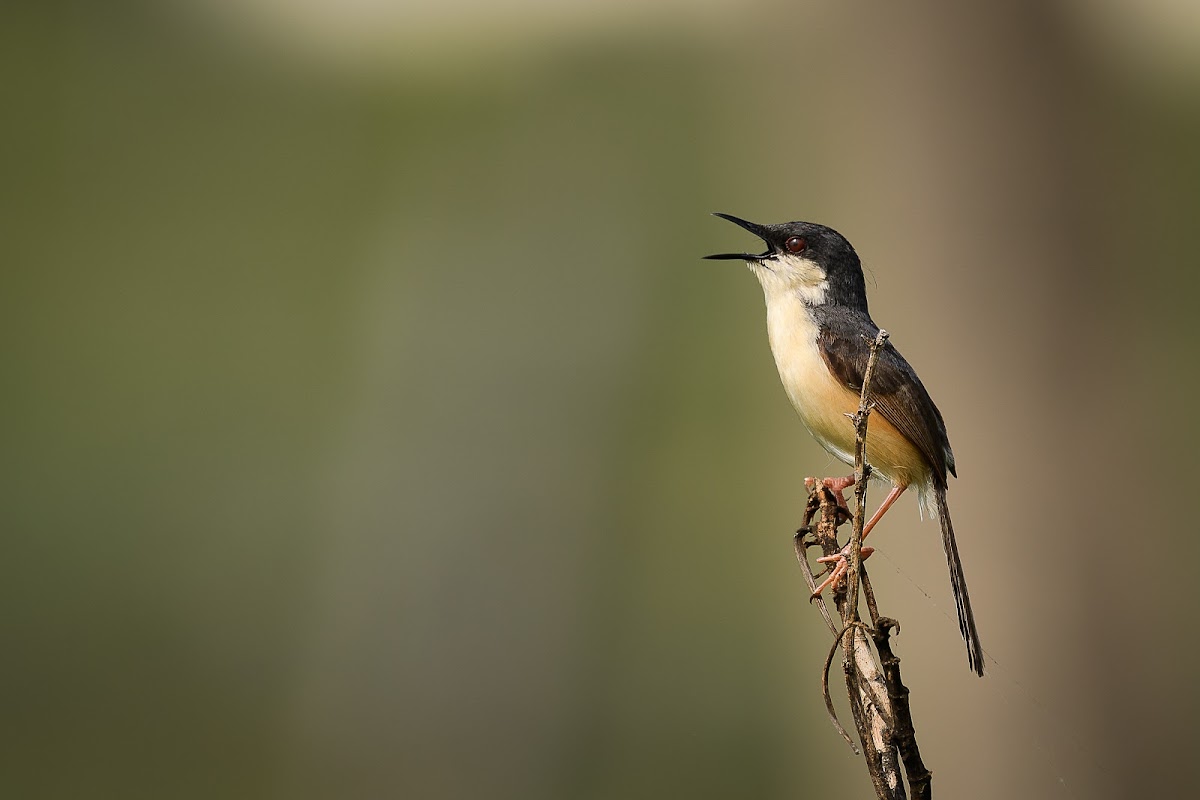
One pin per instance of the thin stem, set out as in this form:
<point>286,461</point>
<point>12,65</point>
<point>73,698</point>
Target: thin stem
<point>862,473</point>
<point>879,701</point>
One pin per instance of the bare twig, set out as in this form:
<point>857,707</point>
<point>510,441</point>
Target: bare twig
<point>802,544</point>
<point>825,536</point>
<point>869,593</point>
<point>878,699</point>
<point>862,470</point>
<point>905,736</point>
<point>837,640</point>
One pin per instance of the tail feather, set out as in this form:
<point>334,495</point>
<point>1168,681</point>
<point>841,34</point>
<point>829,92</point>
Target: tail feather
<point>966,619</point>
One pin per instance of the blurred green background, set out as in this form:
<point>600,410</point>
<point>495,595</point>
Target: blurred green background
<point>374,430</point>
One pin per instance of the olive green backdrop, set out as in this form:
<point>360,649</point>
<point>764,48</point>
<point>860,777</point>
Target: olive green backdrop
<point>372,427</point>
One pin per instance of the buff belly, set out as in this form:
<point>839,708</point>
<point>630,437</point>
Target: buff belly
<point>823,403</point>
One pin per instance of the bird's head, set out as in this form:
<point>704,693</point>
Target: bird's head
<point>814,261</point>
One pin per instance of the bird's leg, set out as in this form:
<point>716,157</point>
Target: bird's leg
<point>842,559</point>
<point>892,497</point>
<point>837,486</point>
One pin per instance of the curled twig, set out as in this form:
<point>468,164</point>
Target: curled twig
<point>833,717</point>
<point>802,546</point>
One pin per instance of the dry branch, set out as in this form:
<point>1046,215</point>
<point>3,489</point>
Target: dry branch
<point>879,701</point>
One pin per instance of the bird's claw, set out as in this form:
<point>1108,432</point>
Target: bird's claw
<point>841,565</point>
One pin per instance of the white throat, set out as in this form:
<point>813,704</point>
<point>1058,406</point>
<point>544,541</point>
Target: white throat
<point>790,295</point>
<point>785,278</point>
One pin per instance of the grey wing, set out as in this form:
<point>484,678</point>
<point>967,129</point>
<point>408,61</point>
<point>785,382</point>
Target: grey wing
<point>899,395</point>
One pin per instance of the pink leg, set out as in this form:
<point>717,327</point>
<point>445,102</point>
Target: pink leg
<point>842,559</point>
<point>892,497</point>
<point>843,566</point>
<point>837,486</point>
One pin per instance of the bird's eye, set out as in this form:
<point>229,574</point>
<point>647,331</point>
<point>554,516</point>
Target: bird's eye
<point>795,244</point>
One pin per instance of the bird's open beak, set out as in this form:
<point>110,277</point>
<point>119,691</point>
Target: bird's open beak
<point>757,230</point>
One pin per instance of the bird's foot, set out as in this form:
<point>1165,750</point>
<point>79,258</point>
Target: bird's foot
<point>837,486</point>
<point>838,565</point>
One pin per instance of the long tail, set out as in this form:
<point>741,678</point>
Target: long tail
<point>966,619</point>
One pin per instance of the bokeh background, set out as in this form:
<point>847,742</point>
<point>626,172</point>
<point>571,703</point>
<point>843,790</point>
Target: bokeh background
<point>373,429</point>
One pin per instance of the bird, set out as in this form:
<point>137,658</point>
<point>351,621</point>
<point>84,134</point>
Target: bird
<point>820,334</point>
